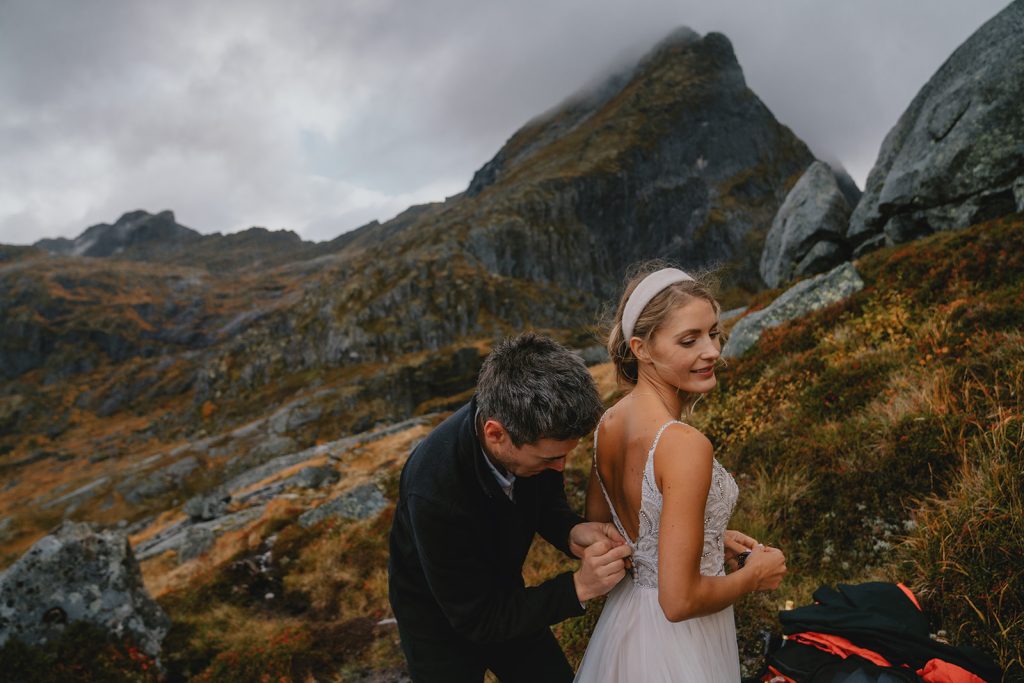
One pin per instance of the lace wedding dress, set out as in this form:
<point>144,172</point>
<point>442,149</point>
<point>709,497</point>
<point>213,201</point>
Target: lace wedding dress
<point>633,641</point>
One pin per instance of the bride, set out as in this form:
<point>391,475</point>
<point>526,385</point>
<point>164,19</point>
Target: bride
<point>656,478</point>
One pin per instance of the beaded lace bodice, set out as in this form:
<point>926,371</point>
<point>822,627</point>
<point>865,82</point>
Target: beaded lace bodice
<point>722,497</point>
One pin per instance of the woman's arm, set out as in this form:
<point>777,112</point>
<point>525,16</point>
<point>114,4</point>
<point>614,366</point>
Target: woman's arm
<point>683,473</point>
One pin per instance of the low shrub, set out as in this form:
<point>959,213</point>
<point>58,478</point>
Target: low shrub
<point>84,653</point>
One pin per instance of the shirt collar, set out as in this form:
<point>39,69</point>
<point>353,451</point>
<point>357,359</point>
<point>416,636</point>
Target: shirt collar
<point>507,480</point>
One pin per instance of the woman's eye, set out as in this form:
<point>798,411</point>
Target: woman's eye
<point>715,334</point>
<point>687,342</point>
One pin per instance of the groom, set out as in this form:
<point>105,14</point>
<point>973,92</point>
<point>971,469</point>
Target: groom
<point>471,497</point>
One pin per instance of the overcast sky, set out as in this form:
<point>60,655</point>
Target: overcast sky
<point>320,115</point>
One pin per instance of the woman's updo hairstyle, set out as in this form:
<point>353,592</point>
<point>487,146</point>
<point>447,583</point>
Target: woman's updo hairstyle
<point>702,286</point>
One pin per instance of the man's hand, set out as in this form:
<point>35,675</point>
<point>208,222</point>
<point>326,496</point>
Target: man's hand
<point>736,543</point>
<point>603,565</point>
<point>586,534</point>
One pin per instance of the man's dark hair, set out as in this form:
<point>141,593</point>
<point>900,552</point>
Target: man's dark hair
<point>537,389</point>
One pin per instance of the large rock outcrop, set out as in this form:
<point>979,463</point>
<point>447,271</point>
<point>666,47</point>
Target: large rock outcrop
<point>797,301</point>
<point>807,234</point>
<point>78,574</point>
<point>956,156</point>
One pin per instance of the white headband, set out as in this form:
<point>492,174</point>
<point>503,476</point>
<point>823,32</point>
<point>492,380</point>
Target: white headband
<point>644,292</point>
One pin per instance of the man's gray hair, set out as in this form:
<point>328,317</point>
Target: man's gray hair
<point>537,389</point>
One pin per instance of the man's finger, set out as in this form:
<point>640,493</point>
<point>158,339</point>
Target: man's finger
<point>617,553</point>
<point>598,548</point>
<point>611,532</point>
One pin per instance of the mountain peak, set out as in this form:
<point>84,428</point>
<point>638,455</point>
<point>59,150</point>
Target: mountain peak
<point>662,80</point>
<point>132,228</point>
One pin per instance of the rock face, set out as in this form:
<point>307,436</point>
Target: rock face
<point>675,158</point>
<point>359,503</point>
<point>797,301</point>
<point>77,574</point>
<point>807,235</point>
<point>956,155</point>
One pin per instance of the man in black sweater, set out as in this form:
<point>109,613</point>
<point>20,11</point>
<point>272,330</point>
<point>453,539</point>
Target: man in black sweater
<point>471,497</point>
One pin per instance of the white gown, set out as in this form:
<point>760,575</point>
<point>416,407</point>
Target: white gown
<point>633,641</point>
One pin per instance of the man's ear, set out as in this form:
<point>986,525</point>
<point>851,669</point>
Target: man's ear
<point>639,348</point>
<point>494,431</point>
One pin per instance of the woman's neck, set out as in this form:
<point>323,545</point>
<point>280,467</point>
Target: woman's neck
<point>668,396</point>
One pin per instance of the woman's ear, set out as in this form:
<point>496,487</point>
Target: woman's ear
<point>639,348</point>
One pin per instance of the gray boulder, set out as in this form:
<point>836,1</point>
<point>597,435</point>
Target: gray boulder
<point>799,300</point>
<point>359,503</point>
<point>847,185</point>
<point>956,155</point>
<point>314,477</point>
<point>593,355</point>
<point>806,236</point>
<point>78,574</point>
<point>209,506</point>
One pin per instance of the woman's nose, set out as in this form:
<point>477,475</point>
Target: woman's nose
<point>712,350</point>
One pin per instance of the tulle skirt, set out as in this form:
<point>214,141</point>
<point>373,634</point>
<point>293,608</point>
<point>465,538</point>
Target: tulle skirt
<point>633,642</point>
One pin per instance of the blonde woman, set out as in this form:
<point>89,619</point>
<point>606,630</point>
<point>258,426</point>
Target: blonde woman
<point>656,478</point>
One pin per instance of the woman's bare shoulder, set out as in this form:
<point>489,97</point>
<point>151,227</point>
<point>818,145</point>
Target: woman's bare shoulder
<point>683,448</point>
<point>681,434</point>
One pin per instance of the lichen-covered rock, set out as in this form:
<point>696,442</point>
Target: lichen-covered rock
<point>196,541</point>
<point>359,503</point>
<point>314,477</point>
<point>208,506</point>
<point>79,574</point>
<point>799,300</point>
<point>957,152</point>
<point>806,236</point>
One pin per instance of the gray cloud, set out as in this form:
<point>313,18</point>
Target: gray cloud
<point>319,116</point>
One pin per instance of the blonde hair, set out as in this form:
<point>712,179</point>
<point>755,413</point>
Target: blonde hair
<point>653,315</point>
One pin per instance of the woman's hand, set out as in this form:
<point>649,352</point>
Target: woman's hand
<point>767,565</point>
<point>736,543</point>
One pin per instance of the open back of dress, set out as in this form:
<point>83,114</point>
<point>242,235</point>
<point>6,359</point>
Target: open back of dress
<point>633,641</point>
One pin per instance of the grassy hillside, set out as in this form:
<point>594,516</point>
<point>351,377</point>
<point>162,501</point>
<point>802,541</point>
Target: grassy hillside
<point>879,438</point>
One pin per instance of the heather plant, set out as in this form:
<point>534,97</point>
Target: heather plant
<point>264,660</point>
<point>83,653</point>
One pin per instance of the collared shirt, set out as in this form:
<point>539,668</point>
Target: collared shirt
<point>507,480</point>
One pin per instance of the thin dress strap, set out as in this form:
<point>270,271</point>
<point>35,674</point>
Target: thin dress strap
<point>604,491</point>
<point>654,446</point>
<point>648,464</point>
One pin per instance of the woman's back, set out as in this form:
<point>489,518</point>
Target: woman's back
<point>627,455</point>
<point>634,641</point>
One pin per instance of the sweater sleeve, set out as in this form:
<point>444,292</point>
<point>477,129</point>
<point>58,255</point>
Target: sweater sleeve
<point>556,519</point>
<point>474,601</point>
